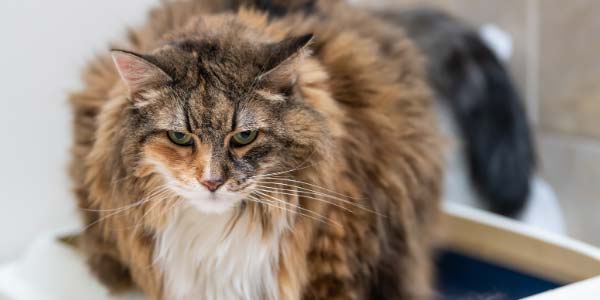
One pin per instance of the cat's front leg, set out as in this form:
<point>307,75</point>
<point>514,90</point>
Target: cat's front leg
<point>319,263</point>
<point>342,252</point>
<point>108,264</point>
<point>332,273</point>
<point>111,272</point>
<point>145,273</point>
<point>102,259</point>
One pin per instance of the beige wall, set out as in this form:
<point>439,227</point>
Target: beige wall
<point>556,63</point>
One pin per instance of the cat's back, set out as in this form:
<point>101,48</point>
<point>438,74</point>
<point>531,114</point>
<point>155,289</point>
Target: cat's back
<point>376,75</point>
<point>371,63</point>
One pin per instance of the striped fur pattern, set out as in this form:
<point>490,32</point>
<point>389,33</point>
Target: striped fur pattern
<point>336,198</point>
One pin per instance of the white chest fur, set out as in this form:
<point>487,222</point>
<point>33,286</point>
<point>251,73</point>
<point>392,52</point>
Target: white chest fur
<point>201,262</point>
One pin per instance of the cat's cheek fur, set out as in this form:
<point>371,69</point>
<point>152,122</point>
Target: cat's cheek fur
<point>201,259</point>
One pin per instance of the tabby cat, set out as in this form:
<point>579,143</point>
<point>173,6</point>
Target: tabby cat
<point>240,150</point>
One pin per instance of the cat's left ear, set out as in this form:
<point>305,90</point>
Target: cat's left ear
<point>282,58</point>
<point>137,71</point>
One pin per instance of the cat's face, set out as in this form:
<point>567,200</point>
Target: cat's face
<point>216,126</point>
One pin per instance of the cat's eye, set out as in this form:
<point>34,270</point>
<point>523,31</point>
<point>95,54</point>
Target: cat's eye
<point>244,138</point>
<point>180,138</point>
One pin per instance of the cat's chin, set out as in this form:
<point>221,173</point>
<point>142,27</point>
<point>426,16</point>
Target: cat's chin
<point>212,207</point>
<point>213,203</point>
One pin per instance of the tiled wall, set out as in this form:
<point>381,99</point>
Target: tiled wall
<point>569,109</point>
<point>556,63</point>
<point>570,67</point>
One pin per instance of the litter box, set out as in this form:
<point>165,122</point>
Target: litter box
<point>486,256</point>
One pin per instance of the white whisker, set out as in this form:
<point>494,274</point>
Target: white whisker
<point>304,191</point>
<point>156,192</point>
<point>284,186</point>
<point>137,203</point>
<point>280,173</point>
<point>292,205</point>
<point>311,185</point>
<point>269,189</point>
<point>251,198</point>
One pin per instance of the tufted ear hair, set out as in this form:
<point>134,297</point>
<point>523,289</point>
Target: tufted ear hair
<point>281,58</point>
<point>137,71</point>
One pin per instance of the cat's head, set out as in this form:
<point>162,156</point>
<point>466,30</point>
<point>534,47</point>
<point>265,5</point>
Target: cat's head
<point>213,114</point>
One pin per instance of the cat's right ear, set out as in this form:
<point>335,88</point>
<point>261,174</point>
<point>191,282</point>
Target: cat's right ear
<point>136,71</point>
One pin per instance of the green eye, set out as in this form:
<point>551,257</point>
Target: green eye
<point>244,138</point>
<point>180,138</point>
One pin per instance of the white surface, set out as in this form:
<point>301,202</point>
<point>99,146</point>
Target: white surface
<point>44,45</point>
<point>543,209</point>
<point>589,289</point>
<point>51,271</point>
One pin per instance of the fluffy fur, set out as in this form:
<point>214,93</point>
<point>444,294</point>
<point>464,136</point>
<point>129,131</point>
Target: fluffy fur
<point>337,198</point>
<point>200,261</point>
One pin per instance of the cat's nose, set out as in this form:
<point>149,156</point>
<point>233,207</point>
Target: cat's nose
<point>212,184</point>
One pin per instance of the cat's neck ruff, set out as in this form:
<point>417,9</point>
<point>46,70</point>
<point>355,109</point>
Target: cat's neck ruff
<point>201,259</point>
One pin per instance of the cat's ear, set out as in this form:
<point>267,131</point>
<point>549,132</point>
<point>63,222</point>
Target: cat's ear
<point>136,71</point>
<point>283,56</point>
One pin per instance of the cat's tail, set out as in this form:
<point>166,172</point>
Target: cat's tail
<point>488,112</point>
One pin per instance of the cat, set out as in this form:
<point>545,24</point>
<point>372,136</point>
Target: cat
<point>259,150</point>
<point>485,109</point>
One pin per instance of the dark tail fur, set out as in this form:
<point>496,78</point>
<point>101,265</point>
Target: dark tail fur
<point>485,104</point>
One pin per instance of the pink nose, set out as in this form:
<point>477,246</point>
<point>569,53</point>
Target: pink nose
<point>212,184</point>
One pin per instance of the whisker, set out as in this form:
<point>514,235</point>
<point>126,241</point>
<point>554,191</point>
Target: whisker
<point>251,198</point>
<point>157,191</point>
<point>269,189</point>
<point>290,204</point>
<point>102,219</point>
<point>312,185</point>
<point>261,201</point>
<point>137,203</point>
<point>153,207</point>
<point>305,191</point>
<point>280,173</point>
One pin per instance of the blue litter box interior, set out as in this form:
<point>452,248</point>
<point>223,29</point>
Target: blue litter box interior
<point>462,277</point>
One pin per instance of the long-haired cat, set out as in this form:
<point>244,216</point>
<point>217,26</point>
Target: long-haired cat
<point>274,152</point>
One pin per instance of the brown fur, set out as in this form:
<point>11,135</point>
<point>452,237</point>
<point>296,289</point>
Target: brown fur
<point>355,112</point>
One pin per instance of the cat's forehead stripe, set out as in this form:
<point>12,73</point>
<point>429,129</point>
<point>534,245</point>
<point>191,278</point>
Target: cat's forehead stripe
<point>270,96</point>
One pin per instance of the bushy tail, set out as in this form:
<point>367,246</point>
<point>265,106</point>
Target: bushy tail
<point>485,104</point>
